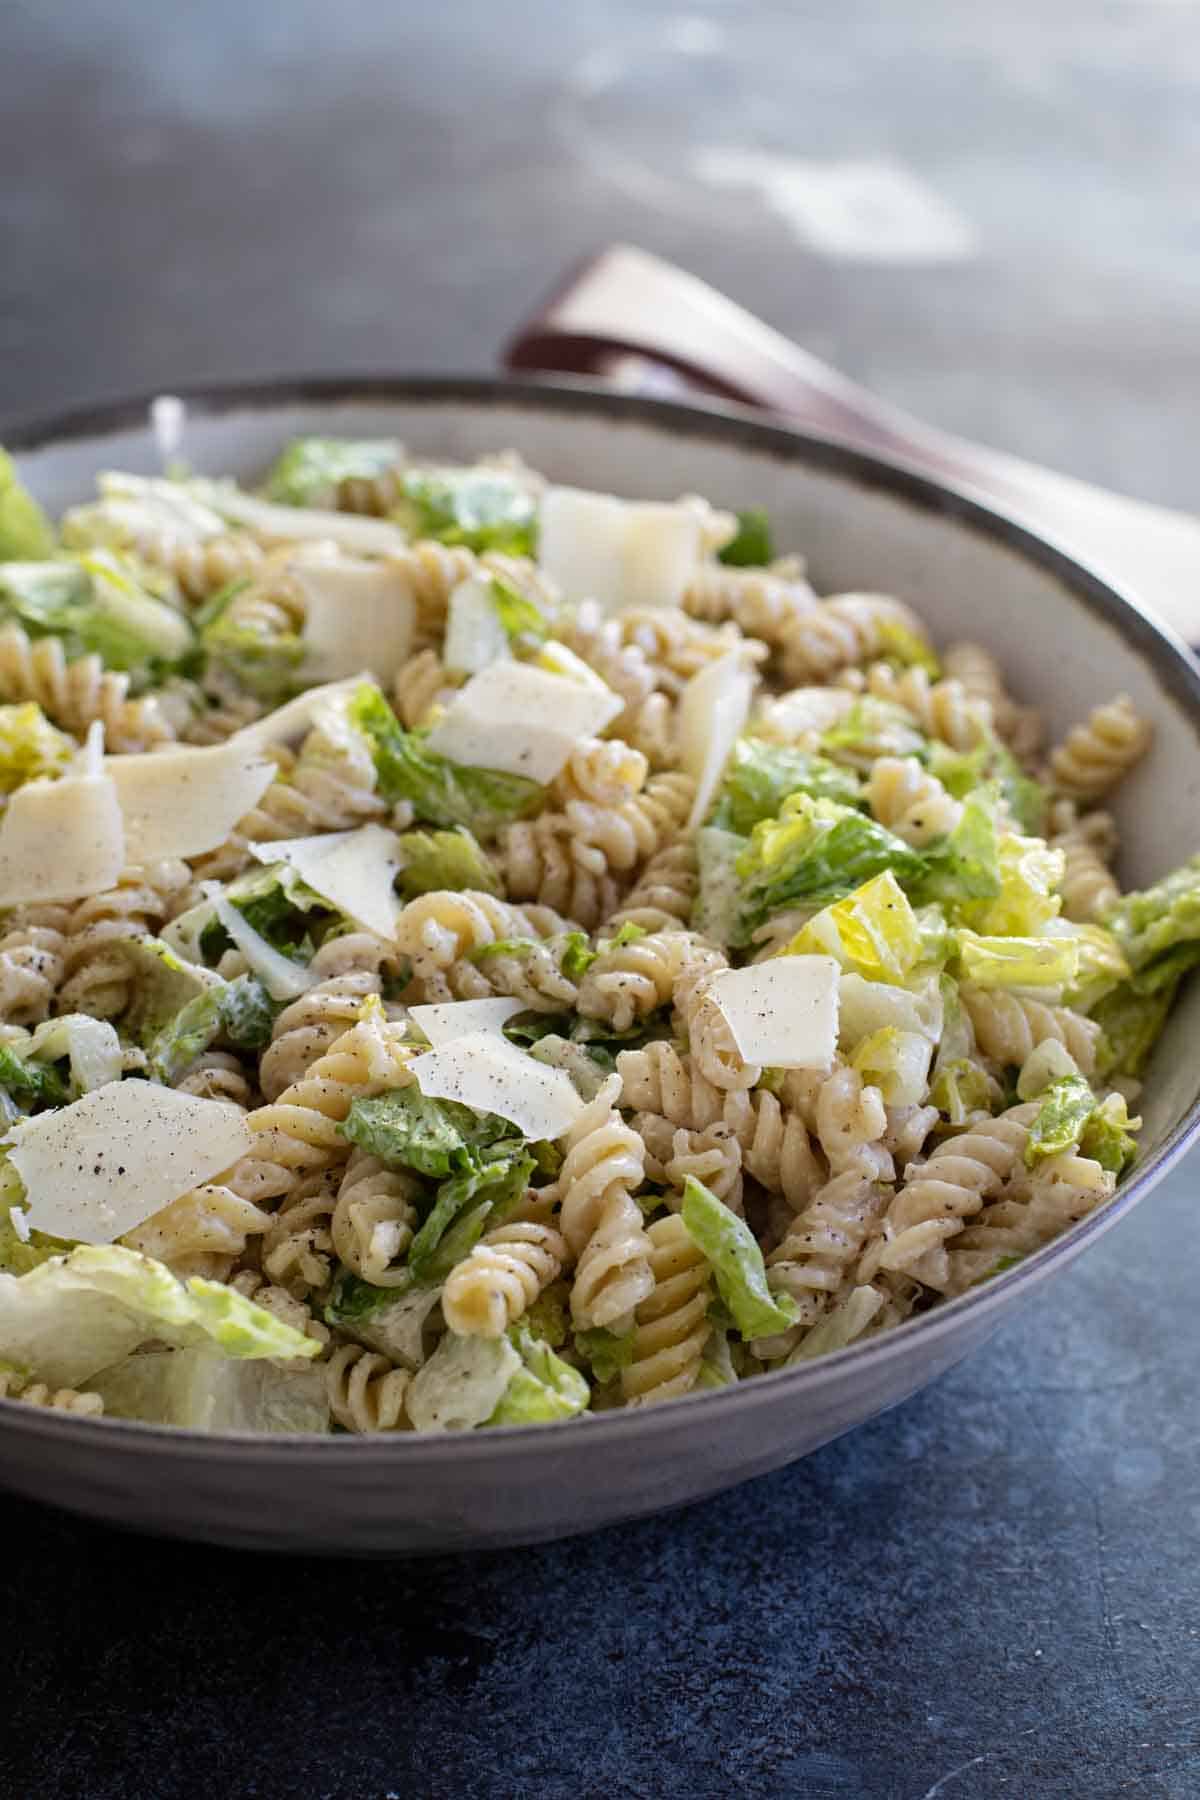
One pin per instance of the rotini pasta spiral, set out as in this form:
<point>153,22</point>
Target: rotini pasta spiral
<point>671,1326</point>
<point>442,934</point>
<point>769,605</point>
<point>202,1232</point>
<point>32,962</point>
<point>352,966</point>
<point>982,680</point>
<point>374,1220</point>
<point>501,1278</point>
<point>600,772</point>
<point>846,629</point>
<point>664,894</point>
<point>600,1220</point>
<point>943,709</point>
<point>628,835</point>
<point>366,1391</point>
<point>1088,842</point>
<point>822,1244</point>
<point>1094,756</point>
<point>627,981</point>
<point>76,694</point>
<point>547,860</point>
<point>201,567</point>
<point>216,1075</point>
<point>1008,1026</point>
<point>420,686</point>
<point>38,1393</point>
<point>98,977</point>
<point>911,802</point>
<point>1062,1191</point>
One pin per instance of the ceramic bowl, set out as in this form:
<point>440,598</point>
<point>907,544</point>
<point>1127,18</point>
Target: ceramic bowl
<point>1065,638</point>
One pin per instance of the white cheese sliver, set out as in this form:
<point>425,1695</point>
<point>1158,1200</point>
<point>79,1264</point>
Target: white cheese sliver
<point>475,636</point>
<point>182,802</point>
<point>782,1013</point>
<point>91,1044</point>
<point>712,716</point>
<point>354,870</point>
<point>803,710</point>
<point>282,978</point>
<point>618,552</point>
<point>290,524</point>
<point>451,1019</point>
<point>288,723</point>
<point>356,612</point>
<point>521,720</point>
<point>61,840</point>
<point>94,1170</point>
<point>492,1075</point>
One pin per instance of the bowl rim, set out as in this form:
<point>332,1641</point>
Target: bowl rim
<point>1167,657</point>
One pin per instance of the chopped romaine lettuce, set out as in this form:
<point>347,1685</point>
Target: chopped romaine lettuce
<point>897,1063</point>
<point>83,1312</point>
<point>1102,966</point>
<point>462,1384</point>
<point>963,866</point>
<point>717,908</point>
<point>760,776</point>
<point>1017,962</point>
<point>993,764</point>
<point>23,1249</point>
<point>544,1388</point>
<point>441,792</point>
<point>522,621</point>
<point>605,1352</point>
<point>1025,896</point>
<point>1158,928</point>
<point>577,956</point>
<point>25,531</point>
<point>873,728</point>
<point>1108,1137</point>
<point>1130,1023</point>
<point>873,932</point>
<point>549,1317</point>
<point>485,509</point>
<point>464,1203</point>
<point>959,1086</point>
<point>242,641</point>
<point>717,1367</point>
<point>906,646</point>
<point>182,1039</point>
<point>1066,1107</point>
<point>310,470</point>
<point>431,860</point>
<point>433,1137</point>
<point>281,907</point>
<point>1046,1063</point>
<point>815,850</point>
<point>165,983</point>
<point>32,1083</point>
<point>248,1014</point>
<point>732,1253</point>
<point>94,603</point>
<point>30,746</point>
<point>206,1391</point>
<point>750,547</point>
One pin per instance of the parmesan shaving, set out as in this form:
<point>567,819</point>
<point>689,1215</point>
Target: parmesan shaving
<point>712,716</point>
<point>182,802</point>
<point>354,870</point>
<point>61,840</point>
<point>356,612</point>
<point>457,1018</point>
<point>521,720</point>
<point>622,553</point>
<point>288,723</point>
<point>783,1013</point>
<point>287,524</point>
<point>490,1074</point>
<point>95,1169</point>
<point>475,636</point>
<point>282,978</point>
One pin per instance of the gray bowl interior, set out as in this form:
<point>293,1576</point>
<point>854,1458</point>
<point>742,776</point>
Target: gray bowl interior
<point>1065,641</point>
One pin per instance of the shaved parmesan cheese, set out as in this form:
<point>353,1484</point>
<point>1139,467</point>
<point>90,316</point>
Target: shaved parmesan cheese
<point>94,1170</point>
<point>475,636</point>
<point>521,720</point>
<point>181,802</point>
<point>288,524</point>
<point>282,978</point>
<point>288,723</point>
<point>712,716</point>
<point>456,1018</point>
<point>153,503</point>
<point>487,1072</point>
<point>782,1013</point>
<point>356,612</point>
<point>618,552</point>
<point>183,933</point>
<point>354,870</point>
<point>61,840</point>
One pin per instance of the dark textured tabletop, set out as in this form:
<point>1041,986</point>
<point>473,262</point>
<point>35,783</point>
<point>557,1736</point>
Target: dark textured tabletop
<point>989,216</point>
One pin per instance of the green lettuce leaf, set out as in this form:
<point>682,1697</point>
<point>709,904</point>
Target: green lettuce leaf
<point>1017,962</point>
<point>523,622</point>
<point>26,534</point>
<point>282,908</point>
<point>605,1352</point>
<point>873,932</point>
<point>1131,1023</point>
<point>965,865</point>
<point>436,1138</point>
<point>815,850</point>
<point>897,1063</point>
<point>464,1203</point>
<point>485,509</point>
<point>717,1367</point>
<point>178,1043</point>
<point>433,860</point>
<point>441,792</point>
<point>205,1391</point>
<point>310,470</point>
<point>248,1014</point>
<point>32,1083</point>
<point>1066,1107</point>
<point>750,547</point>
<point>1158,928</point>
<point>30,746</point>
<point>732,1253</point>
<point>93,602</point>
<point>267,662</point>
<point>760,776</point>
<point>544,1388</point>
<point>462,1384</point>
<point>1108,1137</point>
<point>873,728</point>
<point>907,647</point>
<point>83,1312</point>
<point>549,1317</point>
<point>991,764</point>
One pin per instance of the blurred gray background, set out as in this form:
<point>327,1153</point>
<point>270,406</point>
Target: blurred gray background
<point>202,190</point>
<point>988,214</point>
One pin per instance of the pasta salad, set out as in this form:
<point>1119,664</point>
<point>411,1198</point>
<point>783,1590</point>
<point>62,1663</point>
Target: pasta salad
<point>481,952</point>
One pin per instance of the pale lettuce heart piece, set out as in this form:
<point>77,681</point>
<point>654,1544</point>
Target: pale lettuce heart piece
<point>205,1390</point>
